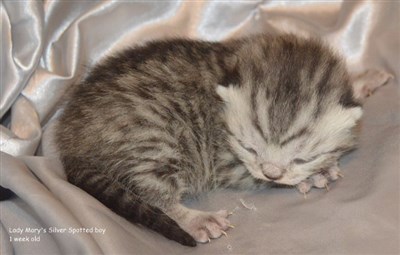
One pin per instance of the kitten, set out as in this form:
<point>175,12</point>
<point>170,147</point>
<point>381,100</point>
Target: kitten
<point>157,123</point>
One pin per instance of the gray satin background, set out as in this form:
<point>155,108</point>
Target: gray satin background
<point>48,45</point>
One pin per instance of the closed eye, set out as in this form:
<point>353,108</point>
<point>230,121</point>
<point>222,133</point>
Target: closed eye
<point>300,161</point>
<point>251,150</point>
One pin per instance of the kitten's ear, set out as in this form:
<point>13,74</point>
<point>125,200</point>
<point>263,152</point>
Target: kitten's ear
<point>366,83</point>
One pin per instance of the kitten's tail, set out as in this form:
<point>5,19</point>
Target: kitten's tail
<point>127,204</point>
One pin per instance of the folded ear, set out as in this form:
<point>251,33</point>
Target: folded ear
<point>366,83</point>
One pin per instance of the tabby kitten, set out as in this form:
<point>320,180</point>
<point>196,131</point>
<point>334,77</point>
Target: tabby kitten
<point>154,124</point>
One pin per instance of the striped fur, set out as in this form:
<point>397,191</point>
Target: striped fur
<point>154,124</point>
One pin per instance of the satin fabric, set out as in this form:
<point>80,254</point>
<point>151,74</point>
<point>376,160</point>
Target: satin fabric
<point>49,45</point>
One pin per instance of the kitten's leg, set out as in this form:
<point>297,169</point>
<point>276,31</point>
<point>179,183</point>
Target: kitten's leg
<point>166,193</point>
<point>202,226</point>
<point>366,83</point>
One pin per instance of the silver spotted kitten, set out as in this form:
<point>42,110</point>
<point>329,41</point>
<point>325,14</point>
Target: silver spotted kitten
<point>171,119</point>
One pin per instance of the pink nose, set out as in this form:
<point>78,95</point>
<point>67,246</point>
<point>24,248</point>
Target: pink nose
<point>271,171</point>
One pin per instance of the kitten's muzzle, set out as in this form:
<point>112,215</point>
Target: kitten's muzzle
<point>272,172</point>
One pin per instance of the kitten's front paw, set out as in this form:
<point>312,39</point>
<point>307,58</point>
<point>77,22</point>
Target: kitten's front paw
<point>205,225</point>
<point>202,226</point>
<point>320,180</point>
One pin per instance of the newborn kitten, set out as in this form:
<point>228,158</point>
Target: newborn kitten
<point>154,124</point>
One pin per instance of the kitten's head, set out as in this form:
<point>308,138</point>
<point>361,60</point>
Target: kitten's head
<point>288,153</point>
<point>294,121</point>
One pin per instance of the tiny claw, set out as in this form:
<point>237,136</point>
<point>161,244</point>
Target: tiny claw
<point>230,213</point>
<point>224,233</point>
<point>231,226</point>
<point>209,240</point>
<point>340,175</point>
<point>326,187</point>
<point>305,195</point>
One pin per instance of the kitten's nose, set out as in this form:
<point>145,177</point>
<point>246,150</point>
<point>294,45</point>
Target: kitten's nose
<point>272,172</point>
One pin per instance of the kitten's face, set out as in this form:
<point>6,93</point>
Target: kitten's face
<point>312,142</point>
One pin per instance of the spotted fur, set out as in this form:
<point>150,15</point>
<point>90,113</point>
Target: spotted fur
<point>156,123</point>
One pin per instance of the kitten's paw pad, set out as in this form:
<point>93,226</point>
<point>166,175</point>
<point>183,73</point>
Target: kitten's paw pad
<point>369,81</point>
<point>208,225</point>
